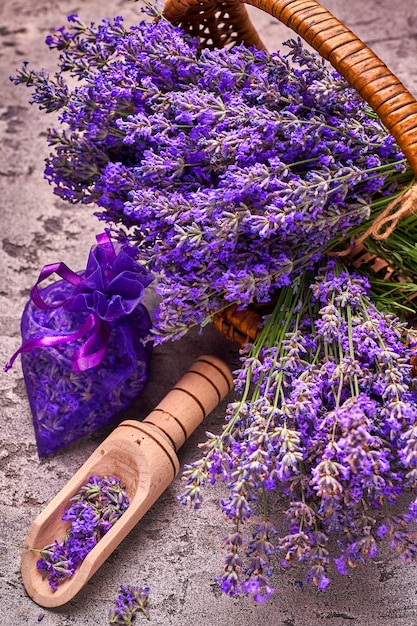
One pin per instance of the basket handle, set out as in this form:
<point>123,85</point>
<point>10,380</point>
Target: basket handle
<point>389,98</point>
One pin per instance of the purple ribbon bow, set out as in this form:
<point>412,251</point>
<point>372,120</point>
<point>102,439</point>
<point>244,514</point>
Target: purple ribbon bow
<point>111,287</point>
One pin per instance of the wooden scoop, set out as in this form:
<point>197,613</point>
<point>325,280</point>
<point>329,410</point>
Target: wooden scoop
<point>143,456</point>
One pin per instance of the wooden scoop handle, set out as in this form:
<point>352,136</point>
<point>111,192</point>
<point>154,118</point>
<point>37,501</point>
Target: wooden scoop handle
<point>198,392</point>
<point>224,21</point>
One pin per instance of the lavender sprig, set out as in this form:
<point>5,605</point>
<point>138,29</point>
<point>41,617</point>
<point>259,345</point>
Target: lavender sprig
<point>130,601</point>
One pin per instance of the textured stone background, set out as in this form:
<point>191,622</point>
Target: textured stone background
<point>173,551</point>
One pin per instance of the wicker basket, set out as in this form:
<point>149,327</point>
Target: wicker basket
<point>220,23</point>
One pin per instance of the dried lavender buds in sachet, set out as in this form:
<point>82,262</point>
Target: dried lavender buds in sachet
<point>84,352</point>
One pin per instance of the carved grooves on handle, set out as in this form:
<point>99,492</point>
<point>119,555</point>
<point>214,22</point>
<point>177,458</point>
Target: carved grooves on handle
<point>159,443</point>
<point>191,395</point>
<point>388,97</point>
<point>165,431</point>
<point>201,389</point>
<point>227,377</point>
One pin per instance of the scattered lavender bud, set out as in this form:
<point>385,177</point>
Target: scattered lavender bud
<point>131,600</point>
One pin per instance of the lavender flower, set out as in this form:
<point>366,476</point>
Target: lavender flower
<point>231,170</point>
<point>131,600</point>
<point>329,425</point>
<point>94,510</point>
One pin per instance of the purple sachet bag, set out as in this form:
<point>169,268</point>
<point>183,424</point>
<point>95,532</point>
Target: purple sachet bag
<point>84,357</point>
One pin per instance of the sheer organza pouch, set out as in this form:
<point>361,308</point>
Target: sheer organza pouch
<point>84,354</point>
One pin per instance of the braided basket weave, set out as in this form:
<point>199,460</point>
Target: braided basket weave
<point>220,23</point>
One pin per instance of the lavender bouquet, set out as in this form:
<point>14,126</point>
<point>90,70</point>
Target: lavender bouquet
<point>329,425</point>
<point>234,172</point>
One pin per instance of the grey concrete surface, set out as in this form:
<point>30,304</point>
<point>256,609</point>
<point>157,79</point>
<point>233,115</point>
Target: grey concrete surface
<point>177,553</point>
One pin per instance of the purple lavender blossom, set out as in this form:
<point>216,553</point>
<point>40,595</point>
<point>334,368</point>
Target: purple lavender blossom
<point>94,510</point>
<point>328,424</point>
<point>231,170</point>
<point>131,600</point>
